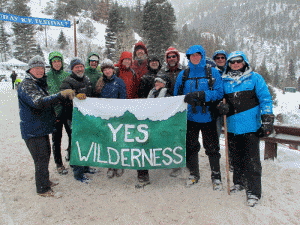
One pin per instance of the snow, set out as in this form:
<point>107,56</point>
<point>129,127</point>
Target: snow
<point>155,109</point>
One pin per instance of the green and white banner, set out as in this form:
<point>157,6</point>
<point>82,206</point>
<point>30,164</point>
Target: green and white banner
<point>129,133</point>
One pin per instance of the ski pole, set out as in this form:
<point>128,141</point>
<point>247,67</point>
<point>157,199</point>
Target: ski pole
<point>226,150</point>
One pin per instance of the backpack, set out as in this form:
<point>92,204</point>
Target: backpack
<point>211,81</point>
<point>208,75</point>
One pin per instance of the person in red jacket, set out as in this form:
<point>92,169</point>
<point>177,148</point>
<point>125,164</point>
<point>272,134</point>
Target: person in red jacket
<point>127,74</point>
<point>140,55</point>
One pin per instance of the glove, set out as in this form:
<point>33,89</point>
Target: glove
<point>197,97</point>
<point>81,96</point>
<point>68,93</point>
<point>223,108</point>
<point>266,126</point>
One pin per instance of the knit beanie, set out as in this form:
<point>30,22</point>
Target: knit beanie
<point>153,58</point>
<point>36,61</point>
<point>75,61</point>
<point>172,50</point>
<point>107,63</point>
<point>161,78</point>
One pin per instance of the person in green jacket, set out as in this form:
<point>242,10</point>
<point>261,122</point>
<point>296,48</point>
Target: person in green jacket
<point>92,71</point>
<point>55,77</point>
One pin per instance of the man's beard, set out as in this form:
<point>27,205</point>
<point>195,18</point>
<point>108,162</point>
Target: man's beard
<point>78,74</point>
<point>172,64</point>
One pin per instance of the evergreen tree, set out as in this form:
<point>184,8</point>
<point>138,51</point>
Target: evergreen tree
<point>39,51</point>
<point>262,70</point>
<point>159,26</point>
<point>291,78</point>
<point>87,28</point>
<point>62,41</point>
<point>60,11</point>
<point>24,42</point>
<point>298,84</point>
<point>4,45</point>
<point>276,80</point>
<point>137,17</point>
<point>114,26</point>
<point>73,7</point>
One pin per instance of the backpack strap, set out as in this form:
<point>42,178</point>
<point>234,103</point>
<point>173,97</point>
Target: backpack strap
<point>185,76</point>
<point>208,76</point>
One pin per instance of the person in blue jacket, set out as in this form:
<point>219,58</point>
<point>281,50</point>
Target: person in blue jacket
<point>38,119</point>
<point>220,57</point>
<point>111,86</point>
<point>198,95</point>
<point>249,116</point>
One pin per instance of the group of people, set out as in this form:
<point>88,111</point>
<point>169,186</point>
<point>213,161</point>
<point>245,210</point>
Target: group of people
<point>45,102</point>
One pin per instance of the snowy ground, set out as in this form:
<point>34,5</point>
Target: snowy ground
<point>116,201</point>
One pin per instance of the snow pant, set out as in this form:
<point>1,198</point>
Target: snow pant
<point>210,143</point>
<point>13,84</point>
<point>79,171</point>
<point>56,140</point>
<point>246,163</point>
<point>40,151</point>
<point>143,174</point>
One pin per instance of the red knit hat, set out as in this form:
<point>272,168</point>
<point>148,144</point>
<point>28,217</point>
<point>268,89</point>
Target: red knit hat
<point>137,46</point>
<point>172,50</point>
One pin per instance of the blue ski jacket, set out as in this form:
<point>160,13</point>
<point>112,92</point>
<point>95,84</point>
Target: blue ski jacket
<point>197,81</point>
<point>113,88</point>
<point>248,97</point>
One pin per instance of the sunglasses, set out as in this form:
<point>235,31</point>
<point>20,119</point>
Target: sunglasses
<point>222,57</point>
<point>236,61</point>
<point>171,56</point>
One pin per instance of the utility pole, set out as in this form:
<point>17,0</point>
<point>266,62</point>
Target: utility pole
<point>75,41</point>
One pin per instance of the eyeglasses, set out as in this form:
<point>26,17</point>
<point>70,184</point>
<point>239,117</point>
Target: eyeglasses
<point>236,61</point>
<point>171,56</point>
<point>221,57</point>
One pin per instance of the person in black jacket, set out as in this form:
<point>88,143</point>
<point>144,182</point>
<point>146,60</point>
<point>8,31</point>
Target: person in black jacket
<point>13,77</point>
<point>82,87</point>
<point>37,117</point>
<point>147,80</point>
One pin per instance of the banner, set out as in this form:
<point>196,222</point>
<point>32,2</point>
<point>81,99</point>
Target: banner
<point>34,20</point>
<point>129,133</point>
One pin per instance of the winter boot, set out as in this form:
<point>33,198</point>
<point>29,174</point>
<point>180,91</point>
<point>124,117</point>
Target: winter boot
<point>237,188</point>
<point>216,181</point>
<point>215,173</point>
<point>143,179</point>
<point>175,172</point>
<point>252,200</point>
<point>191,181</point>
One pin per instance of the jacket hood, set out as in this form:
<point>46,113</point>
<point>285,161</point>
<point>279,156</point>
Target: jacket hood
<point>172,50</point>
<point>88,58</point>
<point>124,55</point>
<point>56,54</point>
<point>233,55</point>
<point>195,49</point>
<point>138,45</point>
<point>223,52</point>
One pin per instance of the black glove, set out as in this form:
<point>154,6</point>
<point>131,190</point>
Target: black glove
<point>223,108</point>
<point>267,121</point>
<point>197,97</point>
